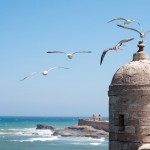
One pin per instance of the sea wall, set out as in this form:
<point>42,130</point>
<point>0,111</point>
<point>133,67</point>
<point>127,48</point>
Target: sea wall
<point>101,125</point>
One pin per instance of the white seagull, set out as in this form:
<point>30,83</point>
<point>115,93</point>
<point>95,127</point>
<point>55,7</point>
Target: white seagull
<point>44,72</point>
<point>126,21</point>
<point>115,48</point>
<point>142,34</point>
<point>69,55</point>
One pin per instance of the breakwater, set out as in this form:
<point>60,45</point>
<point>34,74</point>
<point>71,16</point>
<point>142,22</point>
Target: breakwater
<point>97,124</point>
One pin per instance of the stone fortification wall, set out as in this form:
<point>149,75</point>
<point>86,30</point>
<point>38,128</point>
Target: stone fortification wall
<point>129,105</point>
<point>101,125</point>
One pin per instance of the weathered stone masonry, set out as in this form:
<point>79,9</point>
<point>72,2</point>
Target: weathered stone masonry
<point>129,105</point>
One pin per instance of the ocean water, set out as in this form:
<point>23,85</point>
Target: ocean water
<point>20,133</point>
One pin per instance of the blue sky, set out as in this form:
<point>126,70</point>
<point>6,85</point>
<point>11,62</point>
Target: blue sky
<point>30,28</point>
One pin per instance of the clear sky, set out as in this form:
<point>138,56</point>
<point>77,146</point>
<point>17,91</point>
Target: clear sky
<point>30,28</point>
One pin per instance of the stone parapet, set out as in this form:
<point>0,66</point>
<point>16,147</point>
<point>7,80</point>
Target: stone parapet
<point>101,125</point>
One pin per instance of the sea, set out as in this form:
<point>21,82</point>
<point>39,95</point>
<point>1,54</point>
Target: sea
<point>20,133</point>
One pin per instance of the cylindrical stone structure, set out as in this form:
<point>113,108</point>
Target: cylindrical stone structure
<point>129,104</point>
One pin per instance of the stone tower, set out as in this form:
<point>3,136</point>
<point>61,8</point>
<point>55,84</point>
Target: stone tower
<point>129,104</point>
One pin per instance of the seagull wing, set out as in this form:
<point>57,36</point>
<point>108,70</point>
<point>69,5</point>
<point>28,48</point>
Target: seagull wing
<point>146,32</point>
<point>56,52</point>
<point>28,76</point>
<point>63,68</point>
<point>136,22</point>
<point>104,53</point>
<point>117,19</point>
<point>124,41</point>
<point>57,68</point>
<point>129,28</point>
<point>81,52</point>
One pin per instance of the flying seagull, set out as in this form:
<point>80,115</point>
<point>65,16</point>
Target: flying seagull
<point>126,21</point>
<point>44,72</point>
<point>124,41</point>
<point>115,48</point>
<point>69,55</point>
<point>142,34</point>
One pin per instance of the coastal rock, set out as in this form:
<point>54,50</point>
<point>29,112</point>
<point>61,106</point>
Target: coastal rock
<point>62,132</point>
<point>41,126</point>
<point>83,131</point>
<point>34,133</point>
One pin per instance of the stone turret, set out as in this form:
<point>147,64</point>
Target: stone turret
<point>129,104</point>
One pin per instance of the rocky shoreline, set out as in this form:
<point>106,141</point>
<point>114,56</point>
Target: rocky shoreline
<point>78,130</point>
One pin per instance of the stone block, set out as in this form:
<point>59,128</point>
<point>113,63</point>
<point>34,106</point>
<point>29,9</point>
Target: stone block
<point>133,146</point>
<point>118,107</point>
<point>144,122</point>
<point>125,146</point>
<point>140,115</point>
<point>123,137</point>
<point>114,129</point>
<point>130,122</point>
<point>114,145</point>
<point>143,130</point>
<point>127,137</point>
<point>114,100</point>
<point>112,136</point>
<point>130,146</point>
<point>145,139</point>
<point>129,92</point>
<point>130,129</point>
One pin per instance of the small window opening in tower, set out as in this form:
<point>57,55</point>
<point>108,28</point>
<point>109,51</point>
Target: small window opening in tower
<point>121,123</point>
